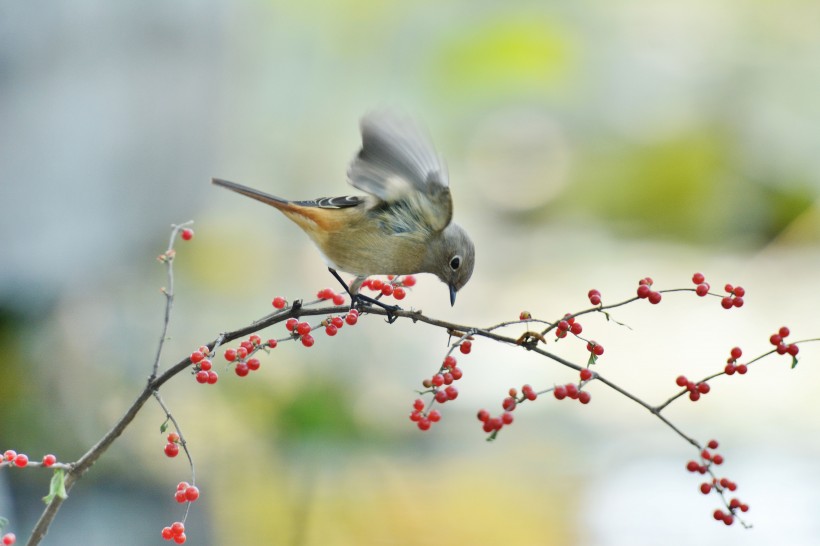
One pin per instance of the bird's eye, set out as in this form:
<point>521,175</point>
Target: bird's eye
<point>455,262</point>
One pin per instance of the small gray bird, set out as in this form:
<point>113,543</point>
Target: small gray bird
<point>404,223</point>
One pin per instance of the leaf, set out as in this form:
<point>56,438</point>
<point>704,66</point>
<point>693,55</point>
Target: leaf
<point>794,362</point>
<point>164,426</point>
<point>57,487</point>
<point>592,359</point>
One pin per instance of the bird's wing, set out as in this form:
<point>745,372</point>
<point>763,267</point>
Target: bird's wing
<point>397,162</point>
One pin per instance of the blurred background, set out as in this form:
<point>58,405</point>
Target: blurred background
<point>589,144</point>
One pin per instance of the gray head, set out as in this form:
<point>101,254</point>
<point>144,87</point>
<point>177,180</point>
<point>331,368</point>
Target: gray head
<point>451,258</point>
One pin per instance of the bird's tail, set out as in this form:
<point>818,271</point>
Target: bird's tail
<point>266,198</point>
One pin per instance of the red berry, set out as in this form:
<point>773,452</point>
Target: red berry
<point>338,299</point>
<point>728,519</point>
<point>729,369</point>
<point>173,437</point>
<point>576,328</point>
<point>230,354</point>
<point>449,361</point>
<point>21,460</point>
<point>655,297</point>
<point>793,349</point>
<point>180,538</point>
<point>775,339</point>
<point>49,460</point>
<point>307,340</point>
<point>737,302</point>
<point>736,353</point>
<point>418,404</point>
<point>704,388</point>
<point>698,278</point>
<point>692,466</point>
<point>415,415</point>
<point>560,392</point>
<point>728,288</point>
<point>376,284</point>
<point>387,289</point>
<point>179,496</point>
<point>441,397</point>
<point>290,324</point>
<point>739,291</point>
<point>241,352</point>
<point>437,380</point>
<point>338,322</point>
<point>279,302</point>
<point>726,302</point>
<point>702,289</point>
<point>713,444</point>
<point>205,365</point>
<point>201,376</point>
<point>718,514</point>
<point>584,397</point>
<point>744,507</point>
<point>182,486</point>
<point>196,356</point>
<point>508,404</point>
<point>681,381</point>
<point>272,343</point>
<point>253,364</point>
<point>434,416</point>
<point>782,349</point>
<point>742,369</point>
<point>705,488</point>
<point>784,331</point>
<point>524,315</point>
<point>192,493</point>
<point>456,373</point>
<point>303,328</point>
<point>717,459</point>
<point>452,392</point>
<point>351,318</point>
<point>331,330</point>
<point>694,396</point>
<point>9,539</point>
<point>213,377</point>
<point>465,347</point>
<point>448,378</point>
<point>399,293</point>
<point>483,415</point>
<point>644,291</point>
<point>507,418</point>
<point>241,369</point>
<point>177,528</point>
<point>171,449</point>
<point>187,234</point>
<point>586,374</point>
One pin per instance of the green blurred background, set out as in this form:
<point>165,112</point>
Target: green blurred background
<point>589,144</point>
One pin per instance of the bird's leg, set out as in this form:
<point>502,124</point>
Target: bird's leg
<point>357,298</point>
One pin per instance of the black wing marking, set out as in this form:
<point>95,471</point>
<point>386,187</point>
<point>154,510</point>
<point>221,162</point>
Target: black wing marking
<point>341,202</point>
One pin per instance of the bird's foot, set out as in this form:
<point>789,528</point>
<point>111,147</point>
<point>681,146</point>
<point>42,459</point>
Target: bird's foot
<point>360,299</point>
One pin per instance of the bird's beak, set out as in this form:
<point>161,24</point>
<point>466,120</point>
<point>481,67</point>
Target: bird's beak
<point>452,295</point>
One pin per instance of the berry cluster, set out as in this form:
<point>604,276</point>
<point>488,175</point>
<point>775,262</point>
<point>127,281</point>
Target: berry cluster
<point>595,350</point>
<point>175,532</point>
<point>645,291</point>
<point>695,389</point>
<point>491,424</point>
<point>393,286</point>
<point>731,363</point>
<point>11,457</point>
<point>186,492</point>
<point>702,287</point>
<point>571,391</point>
<point>721,486</point>
<point>734,298</point>
<point>568,325</point>
<point>594,297</point>
<point>202,370</point>
<point>328,294</point>
<point>441,386</point>
<point>777,339</point>
<point>172,447</point>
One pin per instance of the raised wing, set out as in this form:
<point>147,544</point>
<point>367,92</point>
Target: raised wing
<point>397,162</point>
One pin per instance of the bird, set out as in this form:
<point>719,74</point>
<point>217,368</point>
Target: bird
<point>401,226</point>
